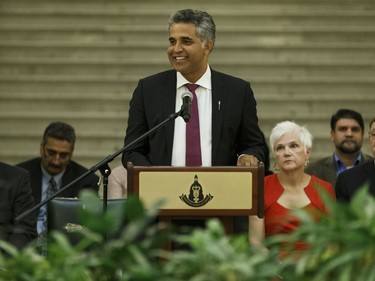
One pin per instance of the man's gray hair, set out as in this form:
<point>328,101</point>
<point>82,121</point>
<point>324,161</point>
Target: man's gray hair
<point>204,23</point>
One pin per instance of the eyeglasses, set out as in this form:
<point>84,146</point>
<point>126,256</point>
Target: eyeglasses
<point>50,153</point>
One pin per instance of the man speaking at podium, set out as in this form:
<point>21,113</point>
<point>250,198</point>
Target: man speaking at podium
<point>222,127</point>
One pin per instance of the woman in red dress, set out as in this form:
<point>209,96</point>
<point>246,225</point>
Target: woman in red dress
<point>289,189</point>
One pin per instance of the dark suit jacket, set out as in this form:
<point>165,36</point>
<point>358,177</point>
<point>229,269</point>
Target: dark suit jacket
<point>73,171</point>
<point>349,181</point>
<point>326,168</point>
<point>15,198</point>
<point>235,127</point>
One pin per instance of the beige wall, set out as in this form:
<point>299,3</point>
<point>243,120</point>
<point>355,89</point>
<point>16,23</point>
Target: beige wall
<point>79,61</point>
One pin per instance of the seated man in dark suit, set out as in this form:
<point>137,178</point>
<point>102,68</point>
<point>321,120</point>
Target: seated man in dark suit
<point>55,169</point>
<point>349,181</point>
<point>16,198</point>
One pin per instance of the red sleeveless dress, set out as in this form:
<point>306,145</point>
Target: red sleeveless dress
<point>278,219</point>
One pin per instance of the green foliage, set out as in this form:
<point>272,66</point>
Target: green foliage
<point>214,256</point>
<point>342,247</point>
<point>130,257</point>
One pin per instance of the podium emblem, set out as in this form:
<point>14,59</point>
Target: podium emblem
<point>196,196</point>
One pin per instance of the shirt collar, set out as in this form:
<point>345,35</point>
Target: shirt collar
<point>204,81</point>
<point>57,178</point>
<point>341,167</point>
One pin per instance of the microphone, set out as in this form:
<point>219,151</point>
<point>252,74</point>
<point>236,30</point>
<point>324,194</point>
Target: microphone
<point>186,97</point>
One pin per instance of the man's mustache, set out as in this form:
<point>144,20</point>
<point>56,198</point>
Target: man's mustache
<point>55,166</point>
<point>352,141</point>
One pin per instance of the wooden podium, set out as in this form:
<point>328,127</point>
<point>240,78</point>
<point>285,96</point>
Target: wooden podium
<point>221,192</point>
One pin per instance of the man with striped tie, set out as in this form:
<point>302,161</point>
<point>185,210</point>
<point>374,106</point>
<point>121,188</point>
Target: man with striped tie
<point>55,168</point>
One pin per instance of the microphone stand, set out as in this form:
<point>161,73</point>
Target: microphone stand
<point>105,170</point>
<point>103,167</point>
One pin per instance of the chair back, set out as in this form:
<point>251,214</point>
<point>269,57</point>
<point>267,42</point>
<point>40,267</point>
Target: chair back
<point>63,215</point>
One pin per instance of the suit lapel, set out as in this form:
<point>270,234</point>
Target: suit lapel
<point>66,179</point>
<point>168,97</point>
<point>371,176</point>
<point>36,182</point>
<point>331,170</point>
<point>369,169</point>
<point>218,98</point>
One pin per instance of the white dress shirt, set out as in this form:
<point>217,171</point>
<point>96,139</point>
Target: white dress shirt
<point>204,96</point>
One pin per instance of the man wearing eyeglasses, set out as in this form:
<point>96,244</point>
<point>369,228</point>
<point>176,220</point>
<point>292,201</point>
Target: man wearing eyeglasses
<point>55,168</point>
<point>348,182</point>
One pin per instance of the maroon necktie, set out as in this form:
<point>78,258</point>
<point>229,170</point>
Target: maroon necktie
<point>193,141</point>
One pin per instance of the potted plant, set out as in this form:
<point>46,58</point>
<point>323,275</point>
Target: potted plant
<point>341,247</point>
